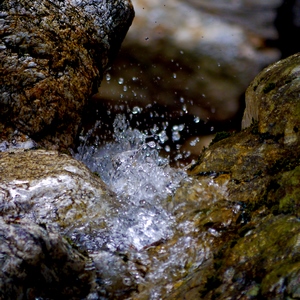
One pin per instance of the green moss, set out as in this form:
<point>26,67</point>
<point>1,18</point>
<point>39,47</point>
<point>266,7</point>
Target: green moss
<point>269,87</point>
<point>220,136</point>
<point>253,291</point>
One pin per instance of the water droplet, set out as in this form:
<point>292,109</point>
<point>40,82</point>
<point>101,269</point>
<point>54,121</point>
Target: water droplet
<point>175,136</point>
<point>121,80</point>
<point>178,127</point>
<point>174,75</point>
<point>212,128</point>
<point>127,281</point>
<point>136,110</point>
<point>181,52</point>
<point>194,142</point>
<point>107,77</point>
<point>181,99</point>
<point>196,119</point>
<point>167,148</point>
<point>152,144</point>
<point>163,137</point>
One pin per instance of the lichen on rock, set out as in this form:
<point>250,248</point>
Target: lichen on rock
<point>256,254</point>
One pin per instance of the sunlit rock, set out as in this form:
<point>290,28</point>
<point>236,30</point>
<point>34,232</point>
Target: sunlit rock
<point>52,188</point>
<point>272,100</point>
<point>52,58</point>
<point>45,196</point>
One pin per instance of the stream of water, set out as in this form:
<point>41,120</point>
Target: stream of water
<point>151,239</point>
<point>132,167</point>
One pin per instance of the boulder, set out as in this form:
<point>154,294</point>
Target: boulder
<point>52,58</point>
<point>252,219</point>
<point>50,207</point>
<point>37,262</point>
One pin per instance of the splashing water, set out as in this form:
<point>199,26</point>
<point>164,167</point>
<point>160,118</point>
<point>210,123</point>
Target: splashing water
<point>153,240</point>
<point>132,168</point>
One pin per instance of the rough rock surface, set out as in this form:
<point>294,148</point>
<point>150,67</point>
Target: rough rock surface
<point>45,195</point>
<point>52,188</point>
<point>36,261</point>
<point>52,58</point>
<point>255,249</point>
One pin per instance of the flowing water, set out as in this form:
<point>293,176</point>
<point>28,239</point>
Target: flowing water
<point>151,240</point>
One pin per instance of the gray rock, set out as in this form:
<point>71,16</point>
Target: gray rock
<point>44,196</point>
<point>36,261</point>
<point>51,188</point>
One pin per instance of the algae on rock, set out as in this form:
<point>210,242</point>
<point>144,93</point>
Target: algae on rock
<point>257,255</point>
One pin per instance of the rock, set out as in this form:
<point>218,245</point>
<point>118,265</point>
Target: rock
<point>51,188</point>
<point>36,262</point>
<point>271,96</point>
<point>45,196</point>
<point>252,219</point>
<point>53,55</point>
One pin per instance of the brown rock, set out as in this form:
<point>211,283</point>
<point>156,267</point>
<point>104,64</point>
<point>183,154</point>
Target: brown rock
<point>52,58</point>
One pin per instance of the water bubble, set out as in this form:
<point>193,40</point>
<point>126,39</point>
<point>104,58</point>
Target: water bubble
<point>121,80</point>
<point>212,128</point>
<point>196,119</point>
<point>181,99</point>
<point>175,136</point>
<point>107,77</point>
<point>136,110</point>
<point>167,148</point>
<point>195,141</point>
<point>174,75</point>
<point>125,88</point>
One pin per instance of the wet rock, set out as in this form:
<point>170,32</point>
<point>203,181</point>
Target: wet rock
<point>253,217</point>
<point>53,55</point>
<point>52,188</point>
<point>271,101</point>
<point>36,262</point>
<point>45,196</point>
